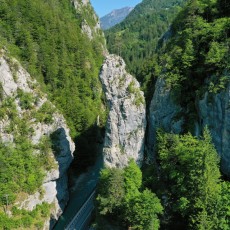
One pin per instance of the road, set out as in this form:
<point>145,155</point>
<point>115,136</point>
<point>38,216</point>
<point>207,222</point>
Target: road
<point>80,193</point>
<point>82,218</point>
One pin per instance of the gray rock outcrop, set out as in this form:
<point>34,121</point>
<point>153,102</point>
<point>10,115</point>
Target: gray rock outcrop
<point>91,30</point>
<point>14,79</point>
<point>162,114</point>
<point>214,112</point>
<point>125,129</point>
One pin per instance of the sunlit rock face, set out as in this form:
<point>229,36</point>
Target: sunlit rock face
<point>14,80</point>
<point>125,129</point>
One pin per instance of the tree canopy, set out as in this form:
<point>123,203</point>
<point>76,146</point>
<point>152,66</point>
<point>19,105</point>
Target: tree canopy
<point>121,199</point>
<point>190,168</point>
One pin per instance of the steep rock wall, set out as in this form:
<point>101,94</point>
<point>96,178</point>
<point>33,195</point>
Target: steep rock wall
<point>14,81</point>
<point>162,114</point>
<point>214,112</point>
<point>125,129</point>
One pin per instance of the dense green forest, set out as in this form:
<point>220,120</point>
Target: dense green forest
<point>136,38</point>
<point>188,46</point>
<point>197,57</point>
<point>46,37</point>
<point>123,201</point>
<point>187,180</point>
<point>193,58</point>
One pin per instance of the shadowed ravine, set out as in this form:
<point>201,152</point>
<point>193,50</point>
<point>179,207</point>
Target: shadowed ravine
<point>79,192</point>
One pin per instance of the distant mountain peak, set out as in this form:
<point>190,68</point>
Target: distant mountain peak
<point>114,17</point>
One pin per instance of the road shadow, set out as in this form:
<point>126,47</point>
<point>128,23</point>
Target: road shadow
<point>61,148</point>
<point>82,174</point>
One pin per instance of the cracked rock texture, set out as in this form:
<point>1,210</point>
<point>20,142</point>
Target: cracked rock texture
<point>13,78</point>
<point>214,112</point>
<point>125,128</point>
<point>162,114</point>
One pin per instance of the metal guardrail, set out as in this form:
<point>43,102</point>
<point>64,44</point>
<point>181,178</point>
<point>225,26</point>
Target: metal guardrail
<point>87,209</point>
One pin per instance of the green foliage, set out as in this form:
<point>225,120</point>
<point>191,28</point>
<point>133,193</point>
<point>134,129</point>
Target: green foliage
<point>45,113</point>
<point>8,108</point>
<point>196,57</point>
<point>47,38</point>
<point>190,169</point>
<point>142,211</point>
<point>120,199</point>
<point>138,98</point>
<point>26,99</point>
<point>133,180</point>
<point>22,219</point>
<point>1,91</point>
<point>20,170</point>
<point>136,38</point>
<point>47,151</point>
<point>111,191</point>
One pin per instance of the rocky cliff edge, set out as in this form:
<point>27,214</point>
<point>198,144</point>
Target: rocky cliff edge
<point>125,128</point>
<point>17,85</point>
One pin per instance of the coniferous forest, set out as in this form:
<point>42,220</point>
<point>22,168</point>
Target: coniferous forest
<point>183,180</point>
<point>192,55</point>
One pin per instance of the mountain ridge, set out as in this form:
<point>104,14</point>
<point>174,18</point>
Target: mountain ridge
<point>114,17</point>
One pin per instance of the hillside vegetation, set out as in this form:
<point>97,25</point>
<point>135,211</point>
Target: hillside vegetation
<point>136,38</point>
<point>197,57</point>
<point>193,59</point>
<point>46,37</point>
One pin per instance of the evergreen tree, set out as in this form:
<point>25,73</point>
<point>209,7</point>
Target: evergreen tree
<point>121,200</point>
<point>190,167</point>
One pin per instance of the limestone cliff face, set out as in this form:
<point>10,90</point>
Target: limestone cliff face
<point>214,112</point>
<point>89,27</point>
<point>162,114</point>
<point>90,23</point>
<point>15,81</point>
<point>125,129</point>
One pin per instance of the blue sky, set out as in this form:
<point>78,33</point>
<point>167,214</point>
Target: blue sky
<point>103,7</point>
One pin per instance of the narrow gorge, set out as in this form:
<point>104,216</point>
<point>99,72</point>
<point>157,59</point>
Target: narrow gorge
<point>127,128</point>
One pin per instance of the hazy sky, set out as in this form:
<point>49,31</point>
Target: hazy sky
<point>103,7</point>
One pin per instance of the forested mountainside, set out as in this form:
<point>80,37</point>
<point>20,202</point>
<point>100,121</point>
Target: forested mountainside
<point>180,137</point>
<point>59,49</point>
<point>136,38</point>
<point>187,137</point>
<point>197,57</point>
<point>47,37</point>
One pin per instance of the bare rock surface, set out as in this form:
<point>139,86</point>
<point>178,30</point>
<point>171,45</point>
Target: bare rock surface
<point>214,112</point>
<point>125,129</point>
<point>162,114</point>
